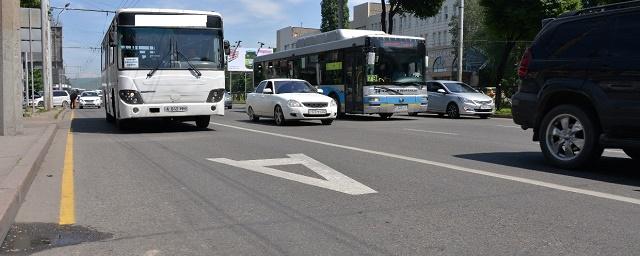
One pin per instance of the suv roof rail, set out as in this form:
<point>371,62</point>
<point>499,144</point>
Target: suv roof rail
<point>602,8</point>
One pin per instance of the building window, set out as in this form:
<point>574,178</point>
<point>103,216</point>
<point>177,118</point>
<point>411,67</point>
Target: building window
<point>446,13</point>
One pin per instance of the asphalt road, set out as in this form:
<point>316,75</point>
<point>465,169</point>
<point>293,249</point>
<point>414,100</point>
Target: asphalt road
<point>406,186</point>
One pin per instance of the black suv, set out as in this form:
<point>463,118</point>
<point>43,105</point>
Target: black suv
<point>580,85</point>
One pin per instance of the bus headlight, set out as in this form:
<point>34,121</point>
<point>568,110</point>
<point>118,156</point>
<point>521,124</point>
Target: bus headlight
<point>374,99</point>
<point>215,95</point>
<point>333,103</point>
<point>130,96</point>
<point>294,104</point>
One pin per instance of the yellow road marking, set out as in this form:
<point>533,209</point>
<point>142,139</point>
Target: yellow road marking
<point>67,203</point>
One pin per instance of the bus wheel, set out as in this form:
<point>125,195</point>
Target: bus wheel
<point>202,122</point>
<point>385,115</point>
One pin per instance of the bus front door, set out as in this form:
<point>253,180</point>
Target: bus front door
<point>354,81</point>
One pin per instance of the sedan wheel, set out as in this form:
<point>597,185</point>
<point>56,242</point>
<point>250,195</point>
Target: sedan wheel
<point>278,116</point>
<point>252,115</point>
<point>452,111</point>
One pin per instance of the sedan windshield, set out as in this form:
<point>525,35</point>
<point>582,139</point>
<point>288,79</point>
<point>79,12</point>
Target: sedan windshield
<point>89,94</point>
<point>294,87</point>
<point>459,88</point>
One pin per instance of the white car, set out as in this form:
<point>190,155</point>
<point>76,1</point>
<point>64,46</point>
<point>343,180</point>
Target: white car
<point>290,99</point>
<point>90,99</point>
<point>61,98</point>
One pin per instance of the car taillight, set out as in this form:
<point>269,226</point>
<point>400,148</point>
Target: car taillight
<point>523,70</point>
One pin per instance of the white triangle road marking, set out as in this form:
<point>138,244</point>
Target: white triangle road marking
<point>334,180</point>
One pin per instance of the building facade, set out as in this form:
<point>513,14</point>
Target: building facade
<point>435,30</point>
<point>31,44</point>
<point>287,37</point>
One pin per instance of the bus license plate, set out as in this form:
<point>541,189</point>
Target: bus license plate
<point>317,112</point>
<point>400,108</point>
<point>175,109</point>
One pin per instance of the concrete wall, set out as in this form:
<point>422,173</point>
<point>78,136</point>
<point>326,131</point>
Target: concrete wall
<point>10,69</point>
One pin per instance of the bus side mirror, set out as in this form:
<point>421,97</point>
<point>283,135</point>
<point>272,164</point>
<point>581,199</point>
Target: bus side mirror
<point>227,47</point>
<point>112,39</point>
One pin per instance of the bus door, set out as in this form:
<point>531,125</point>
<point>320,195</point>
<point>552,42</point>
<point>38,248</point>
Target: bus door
<point>354,81</point>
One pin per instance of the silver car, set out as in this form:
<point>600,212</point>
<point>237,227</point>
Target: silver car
<point>228,101</point>
<point>455,98</point>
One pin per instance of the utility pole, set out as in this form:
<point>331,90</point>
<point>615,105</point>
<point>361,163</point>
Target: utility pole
<point>461,43</point>
<point>31,90</point>
<point>47,73</point>
<point>340,13</point>
<point>10,83</point>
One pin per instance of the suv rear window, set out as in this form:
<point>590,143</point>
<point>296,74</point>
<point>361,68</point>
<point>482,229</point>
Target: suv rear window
<point>575,39</point>
<point>626,36</point>
<point>58,94</point>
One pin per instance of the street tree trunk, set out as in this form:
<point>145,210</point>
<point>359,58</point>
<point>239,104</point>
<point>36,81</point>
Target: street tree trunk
<point>504,58</point>
<point>383,17</point>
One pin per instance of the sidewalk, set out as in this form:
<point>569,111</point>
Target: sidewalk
<point>20,158</point>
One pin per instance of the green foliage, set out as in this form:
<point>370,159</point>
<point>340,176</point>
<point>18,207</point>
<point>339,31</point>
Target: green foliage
<point>37,80</point>
<point>329,11</point>
<point>30,3</point>
<point>513,21</point>
<point>418,8</point>
<point>474,28</point>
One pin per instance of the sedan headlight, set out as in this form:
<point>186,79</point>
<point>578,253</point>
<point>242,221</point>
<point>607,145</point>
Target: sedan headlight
<point>333,103</point>
<point>294,104</point>
<point>467,101</point>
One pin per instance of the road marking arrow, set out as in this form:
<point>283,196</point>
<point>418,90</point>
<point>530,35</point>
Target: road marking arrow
<point>334,180</point>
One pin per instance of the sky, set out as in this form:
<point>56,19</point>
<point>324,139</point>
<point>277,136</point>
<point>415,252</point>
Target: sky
<point>250,21</point>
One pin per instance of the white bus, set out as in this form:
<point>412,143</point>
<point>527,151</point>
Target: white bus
<point>161,63</point>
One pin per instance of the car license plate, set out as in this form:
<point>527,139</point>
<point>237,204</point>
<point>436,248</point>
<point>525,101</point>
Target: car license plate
<point>485,107</point>
<point>317,112</point>
<point>175,109</point>
<point>399,108</point>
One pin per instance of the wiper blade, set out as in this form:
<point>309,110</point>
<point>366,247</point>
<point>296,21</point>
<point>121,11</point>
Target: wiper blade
<point>153,71</point>
<point>198,74</point>
<point>387,89</point>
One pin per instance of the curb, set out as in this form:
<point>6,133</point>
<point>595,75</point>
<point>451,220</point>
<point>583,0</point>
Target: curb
<point>15,186</point>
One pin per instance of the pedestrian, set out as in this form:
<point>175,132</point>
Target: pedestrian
<point>74,96</point>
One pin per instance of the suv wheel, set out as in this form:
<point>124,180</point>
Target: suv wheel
<point>633,153</point>
<point>569,137</point>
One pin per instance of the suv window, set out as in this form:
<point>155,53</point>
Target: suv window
<point>260,87</point>
<point>626,36</point>
<point>575,39</point>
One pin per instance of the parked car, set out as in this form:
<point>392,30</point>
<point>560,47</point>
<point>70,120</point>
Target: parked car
<point>228,101</point>
<point>290,99</point>
<point>455,98</point>
<point>580,85</point>
<point>37,100</point>
<point>90,99</point>
<point>61,98</point>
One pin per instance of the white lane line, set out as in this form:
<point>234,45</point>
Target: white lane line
<point>453,167</point>
<point>445,133</point>
<point>508,126</point>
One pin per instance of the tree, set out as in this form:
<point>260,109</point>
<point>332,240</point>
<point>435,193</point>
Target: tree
<point>419,8</point>
<point>511,21</point>
<point>329,12</point>
<point>474,28</point>
<point>30,3</point>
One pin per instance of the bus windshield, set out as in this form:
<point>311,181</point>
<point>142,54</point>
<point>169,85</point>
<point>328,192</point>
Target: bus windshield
<point>161,48</point>
<point>398,61</point>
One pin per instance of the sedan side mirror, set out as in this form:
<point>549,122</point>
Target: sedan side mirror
<point>267,91</point>
<point>442,91</point>
<point>320,91</point>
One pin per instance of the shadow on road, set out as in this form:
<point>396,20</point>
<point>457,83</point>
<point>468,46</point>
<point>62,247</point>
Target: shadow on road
<point>270,122</point>
<point>100,125</point>
<point>609,169</point>
<point>371,118</point>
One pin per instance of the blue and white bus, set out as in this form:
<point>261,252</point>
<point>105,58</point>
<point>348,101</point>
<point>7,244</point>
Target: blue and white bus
<point>365,72</point>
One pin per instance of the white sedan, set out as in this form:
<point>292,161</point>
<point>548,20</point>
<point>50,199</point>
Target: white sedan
<point>290,99</point>
<point>90,99</point>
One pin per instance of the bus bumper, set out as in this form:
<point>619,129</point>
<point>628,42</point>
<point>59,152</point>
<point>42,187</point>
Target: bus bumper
<point>394,108</point>
<point>128,111</point>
